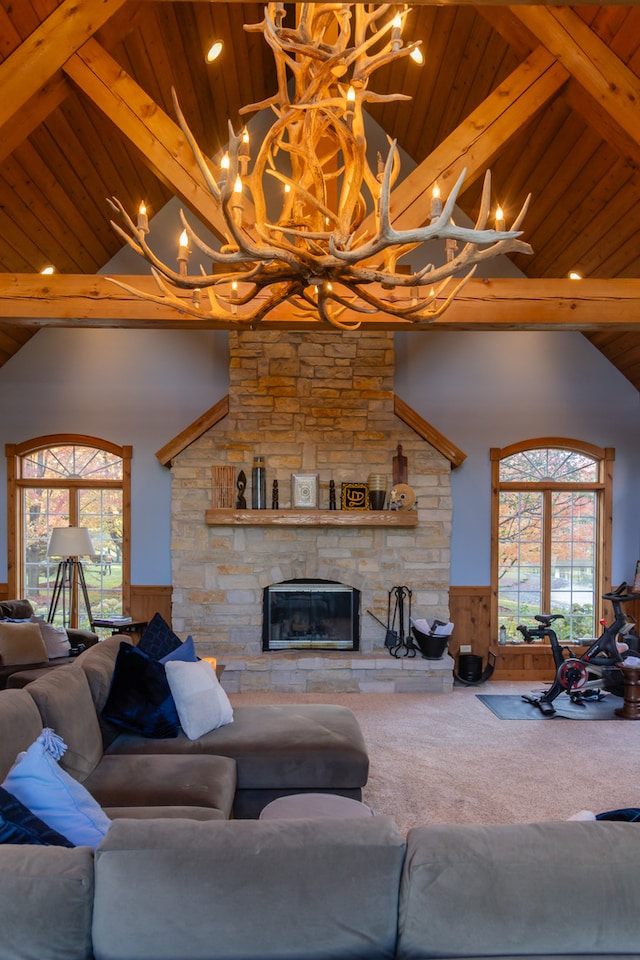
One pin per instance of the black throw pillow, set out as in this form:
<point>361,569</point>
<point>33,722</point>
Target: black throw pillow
<point>140,698</point>
<point>158,638</point>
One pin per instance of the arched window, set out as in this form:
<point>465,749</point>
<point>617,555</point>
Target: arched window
<point>70,480</point>
<point>551,533</point>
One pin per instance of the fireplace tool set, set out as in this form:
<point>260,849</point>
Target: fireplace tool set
<point>397,641</point>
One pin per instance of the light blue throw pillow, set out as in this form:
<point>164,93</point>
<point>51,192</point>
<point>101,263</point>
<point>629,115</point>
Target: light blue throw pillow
<point>39,782</point>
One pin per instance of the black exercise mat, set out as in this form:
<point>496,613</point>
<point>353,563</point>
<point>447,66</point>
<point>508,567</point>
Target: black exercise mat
<point>513,707</point>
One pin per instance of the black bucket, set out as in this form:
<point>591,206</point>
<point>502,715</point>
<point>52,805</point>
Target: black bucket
<point>432,648</point>
<point>469,667</point>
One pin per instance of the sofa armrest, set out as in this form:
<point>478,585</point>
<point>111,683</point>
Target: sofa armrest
<point>81,639</point>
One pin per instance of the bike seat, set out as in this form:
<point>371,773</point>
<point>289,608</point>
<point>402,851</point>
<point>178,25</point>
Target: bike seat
<point>547,618</point>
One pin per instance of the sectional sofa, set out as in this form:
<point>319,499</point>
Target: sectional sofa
<point>176,877</point>
<point>52,649</point>
<point>181,889</point>
<point>267,751</point>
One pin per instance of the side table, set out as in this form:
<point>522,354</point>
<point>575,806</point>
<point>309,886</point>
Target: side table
<point>631,707</point>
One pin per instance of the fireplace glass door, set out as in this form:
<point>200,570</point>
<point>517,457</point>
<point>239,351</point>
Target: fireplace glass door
<point>311,615</point>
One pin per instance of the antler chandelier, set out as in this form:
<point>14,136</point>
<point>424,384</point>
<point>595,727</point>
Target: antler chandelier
<point>312,251</point>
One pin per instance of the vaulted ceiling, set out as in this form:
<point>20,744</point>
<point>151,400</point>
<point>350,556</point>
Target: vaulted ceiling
<point>547,96</point>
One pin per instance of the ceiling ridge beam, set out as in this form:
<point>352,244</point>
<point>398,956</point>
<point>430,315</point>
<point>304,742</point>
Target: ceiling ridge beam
<point>598,70</point>
<point>478,139</point>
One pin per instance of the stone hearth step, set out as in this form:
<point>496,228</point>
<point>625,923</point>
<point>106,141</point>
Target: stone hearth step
<point>301,672</point>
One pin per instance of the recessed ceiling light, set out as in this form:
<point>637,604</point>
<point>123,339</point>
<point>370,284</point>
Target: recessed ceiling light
<point>574,276</point>
<point>49,269</point>
<point>214,51</point>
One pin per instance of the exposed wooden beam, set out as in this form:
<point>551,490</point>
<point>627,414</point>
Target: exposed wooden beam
<point>500,304</point>
<point>613,87</point>
<point>160,141</point>
<point>476,141</point>
<point>459,3</point>
<point>193,432</point>
<point>424,429</point>
<point>42,53</point>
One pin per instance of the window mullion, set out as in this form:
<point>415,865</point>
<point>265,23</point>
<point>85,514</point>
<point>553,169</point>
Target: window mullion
<point>546,552</point>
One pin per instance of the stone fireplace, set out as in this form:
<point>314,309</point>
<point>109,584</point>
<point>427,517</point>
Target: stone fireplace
<point>320,405</point>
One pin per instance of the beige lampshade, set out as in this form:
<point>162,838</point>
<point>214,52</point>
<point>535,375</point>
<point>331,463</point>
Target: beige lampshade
<point>70,542</point>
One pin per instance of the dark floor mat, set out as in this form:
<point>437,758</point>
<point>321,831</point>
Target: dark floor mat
<point>513,707</point>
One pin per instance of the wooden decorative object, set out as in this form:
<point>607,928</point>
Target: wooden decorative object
<point>223,487</point>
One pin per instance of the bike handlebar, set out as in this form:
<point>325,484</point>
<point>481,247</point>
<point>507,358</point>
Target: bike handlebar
<point>619,594</point>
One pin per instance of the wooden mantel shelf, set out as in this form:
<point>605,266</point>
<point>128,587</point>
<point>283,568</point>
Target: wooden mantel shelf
<point>313,518</point>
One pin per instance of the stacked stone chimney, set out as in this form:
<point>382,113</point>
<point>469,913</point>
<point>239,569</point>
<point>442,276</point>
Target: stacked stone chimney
<point>309,404</point>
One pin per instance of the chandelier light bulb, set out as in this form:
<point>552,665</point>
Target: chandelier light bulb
<point>499,218</point>
<point>436,202</point>
<point>417,56</point>
<point>143,218</point>
<point>237,187</point>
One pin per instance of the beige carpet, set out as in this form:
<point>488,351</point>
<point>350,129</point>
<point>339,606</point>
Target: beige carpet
<point>445,758</point>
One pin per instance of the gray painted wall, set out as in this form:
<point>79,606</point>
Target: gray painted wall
<point>484,390</point>
<point>480,390</point>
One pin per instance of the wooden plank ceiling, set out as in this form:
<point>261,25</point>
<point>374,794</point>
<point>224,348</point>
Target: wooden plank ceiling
<point>547,96</point>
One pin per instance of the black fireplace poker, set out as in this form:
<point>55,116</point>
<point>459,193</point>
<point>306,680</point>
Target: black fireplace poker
<point>405,647</point>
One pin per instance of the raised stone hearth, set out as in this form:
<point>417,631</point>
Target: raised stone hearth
<point>319,404</point>
<point>338,673</point>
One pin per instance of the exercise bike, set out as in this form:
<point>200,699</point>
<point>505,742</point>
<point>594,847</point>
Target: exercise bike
<point>601,657</point>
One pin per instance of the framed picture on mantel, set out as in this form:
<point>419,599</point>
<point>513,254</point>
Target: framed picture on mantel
<point>304,491</point>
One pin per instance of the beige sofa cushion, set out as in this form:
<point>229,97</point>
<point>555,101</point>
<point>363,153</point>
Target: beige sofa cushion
<point>64,700</point>
<point>247,889</point>
<point>21,643</point>
<point>21,724</point>
<point>46,902</point>
<point>504,890</point>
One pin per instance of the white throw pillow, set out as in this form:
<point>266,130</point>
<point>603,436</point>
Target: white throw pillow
<point>201,702</point>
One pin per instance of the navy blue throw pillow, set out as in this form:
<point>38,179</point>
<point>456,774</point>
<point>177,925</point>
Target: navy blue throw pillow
<point>158,638</point>
<point>19,825</point>
<point>140,699</point>
<point>627,814</point>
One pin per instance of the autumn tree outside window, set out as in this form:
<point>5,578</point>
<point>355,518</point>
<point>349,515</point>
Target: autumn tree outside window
<point>551,533</point>
<point>69,480</point>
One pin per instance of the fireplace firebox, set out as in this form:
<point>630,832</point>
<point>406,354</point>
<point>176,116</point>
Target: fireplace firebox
<point>311,615</point>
